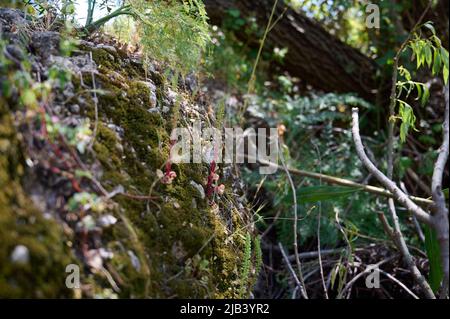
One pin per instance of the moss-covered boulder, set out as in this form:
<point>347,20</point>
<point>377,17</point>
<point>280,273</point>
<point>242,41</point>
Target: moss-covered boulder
<point>102,205</point>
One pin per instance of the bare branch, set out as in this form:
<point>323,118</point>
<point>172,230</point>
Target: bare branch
<point>407,257</point>
<point>397,193</point>
<point>294,195</point>
<point>441,210</point>
<point>299,284</point>
<point>368,269</point>
<point>401,198</point>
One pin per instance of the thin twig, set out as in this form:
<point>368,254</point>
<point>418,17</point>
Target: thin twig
<point>398,282</point>
<point>342,182</point>
<point>323,253</point>
<point>294,196</point>
<point>319,216</point>
<point>398,236</point>
<point>299,284</point>
<point>367,270</point>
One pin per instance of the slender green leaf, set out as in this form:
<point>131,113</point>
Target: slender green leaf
<point>312,194</point>
<point>429,26</point>
<point>434,256</point>
<point>437,62</point>
<point>425,95</point>
<point>428,54</point>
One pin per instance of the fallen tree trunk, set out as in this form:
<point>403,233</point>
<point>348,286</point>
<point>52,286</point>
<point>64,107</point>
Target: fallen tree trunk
<point>315,56</point>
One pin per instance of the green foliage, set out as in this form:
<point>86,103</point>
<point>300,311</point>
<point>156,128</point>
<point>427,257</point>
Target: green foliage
<point>176,33</point>
<point>246,264</point>
<point>428,52</point>
<point>86,201</point>
<point>406,114</point>
<point>434,256</point>
<point>314,194</point>
<point>258,254</point>
<point>232,60</point>
<point>78,136</point>
<point>316,145</point>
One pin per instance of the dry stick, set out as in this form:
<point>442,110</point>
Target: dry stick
<point>367,270</point>
<point>322,277</point>
<point>441,210</point>
<point>323,253</point>
<point>294,194</point>
<point>403,199</point>
<point>292,271</point>
<point>408,258</point>
<point>343,182</point>
<point>398,282</point>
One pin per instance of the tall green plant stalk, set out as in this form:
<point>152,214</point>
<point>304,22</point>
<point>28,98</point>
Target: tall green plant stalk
<point>123,10</point>
<point>90,12</point>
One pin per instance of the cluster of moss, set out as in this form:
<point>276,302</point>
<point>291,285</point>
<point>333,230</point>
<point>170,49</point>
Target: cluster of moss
<point>177,245</point>
<point>182,239</point>
<point>43,274</point>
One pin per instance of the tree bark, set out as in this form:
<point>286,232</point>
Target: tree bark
<point>315,56</point>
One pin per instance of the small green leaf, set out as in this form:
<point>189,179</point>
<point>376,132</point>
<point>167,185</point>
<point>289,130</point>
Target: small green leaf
<point>419,90</point>
<point>82,173</point>
<point>425,95</point>
<point>429,26</point>
<point>445,74</point>
<point>428,55</point>
<point>437,62</point>
<point>444,56</point>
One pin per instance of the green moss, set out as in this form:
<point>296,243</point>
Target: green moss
<point>187,247</point>
<point>22,224</point>
<point>174,246</point>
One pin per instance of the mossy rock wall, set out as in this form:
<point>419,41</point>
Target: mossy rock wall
<point>176,245</point>
<point>22,224</point>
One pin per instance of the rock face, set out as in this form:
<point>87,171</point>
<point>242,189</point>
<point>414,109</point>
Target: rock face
<point>81,186</point>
